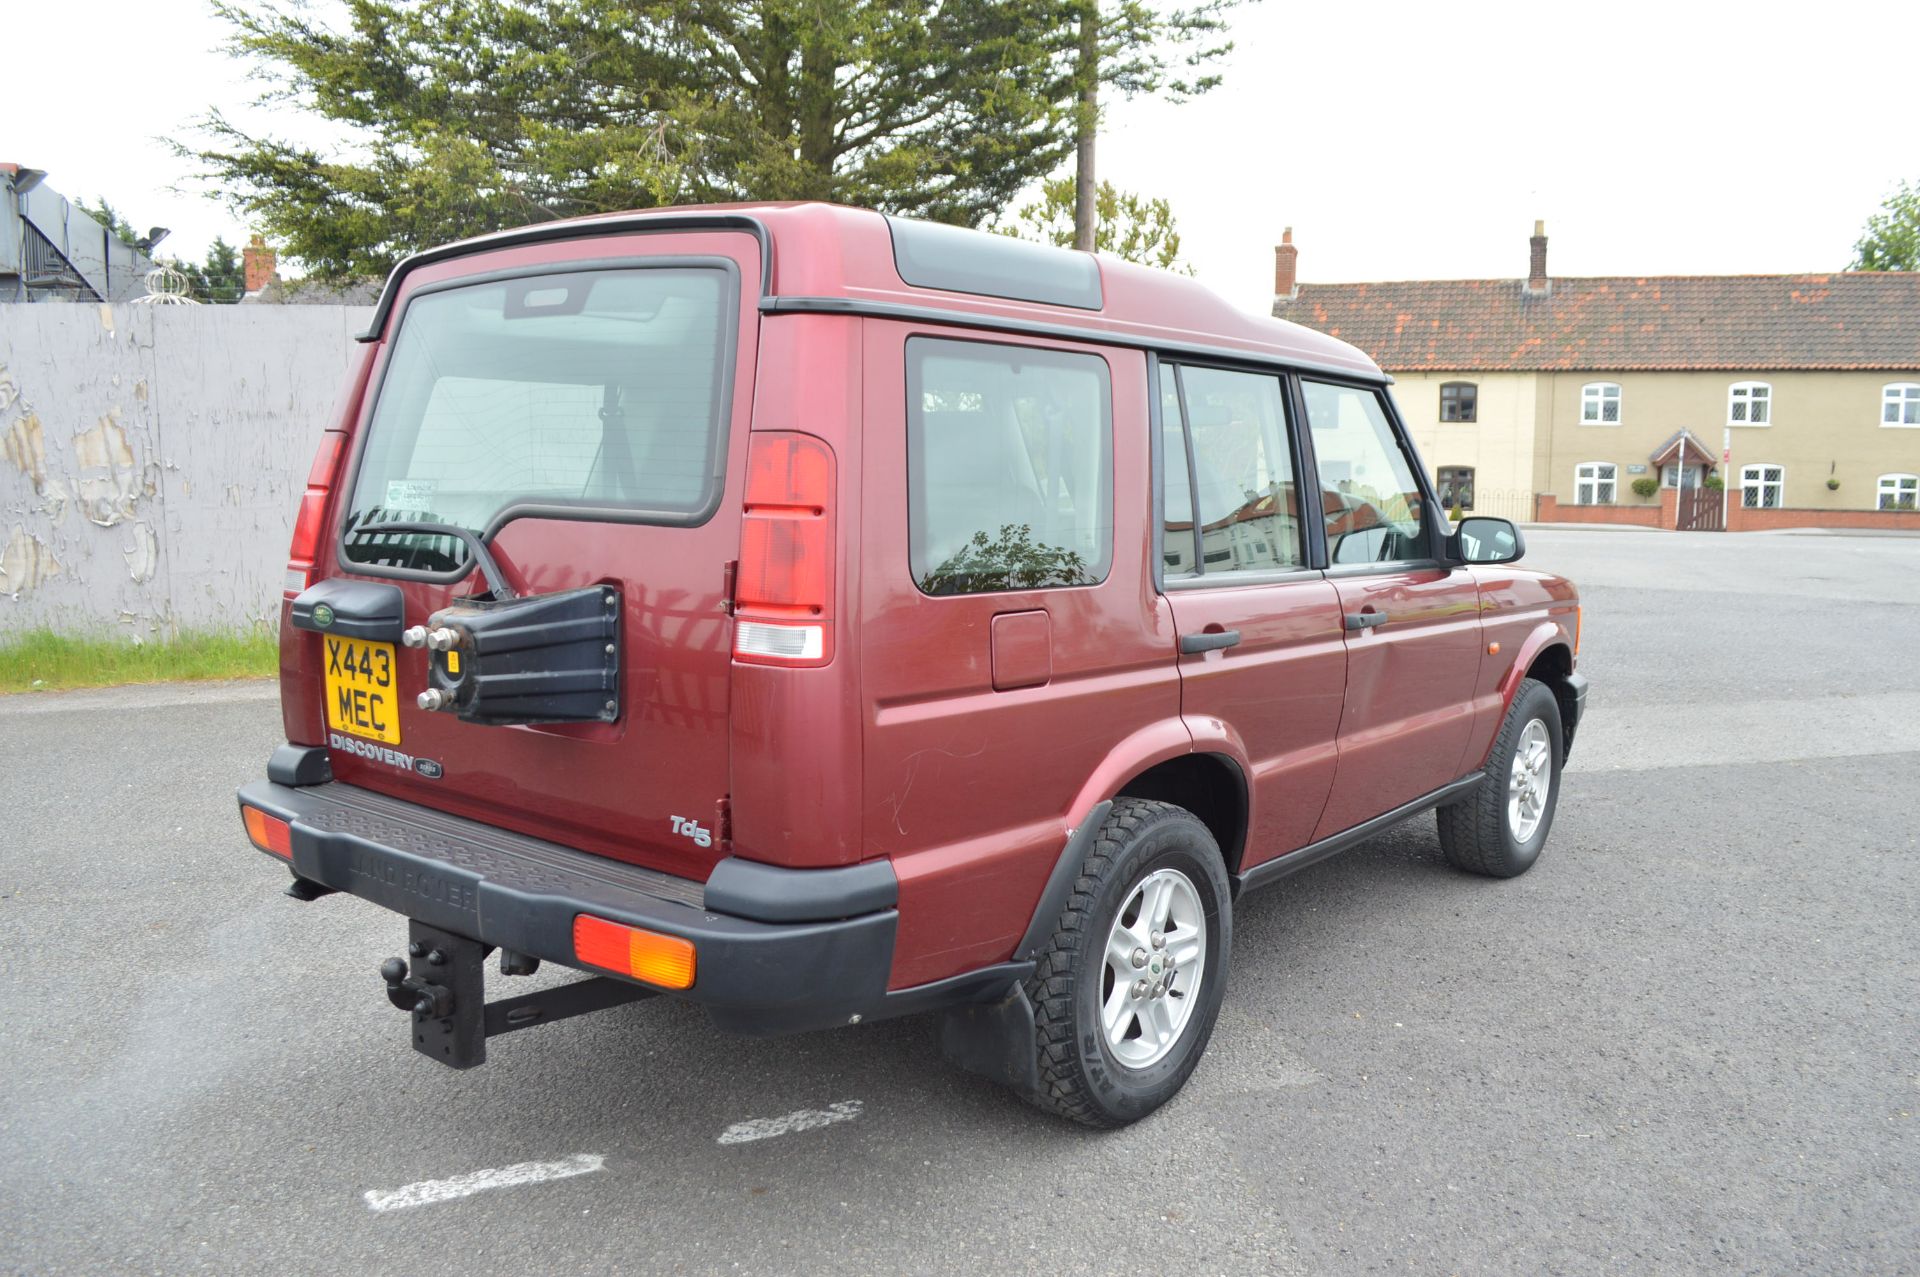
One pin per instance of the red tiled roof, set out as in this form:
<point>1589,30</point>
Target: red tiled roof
<point>1856,319</point>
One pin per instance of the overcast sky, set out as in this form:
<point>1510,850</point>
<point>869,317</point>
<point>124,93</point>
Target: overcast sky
<point>1399,141</point>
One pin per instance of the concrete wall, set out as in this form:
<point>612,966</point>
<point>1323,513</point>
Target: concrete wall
<point>151,458</point>
<point>1823,424</point>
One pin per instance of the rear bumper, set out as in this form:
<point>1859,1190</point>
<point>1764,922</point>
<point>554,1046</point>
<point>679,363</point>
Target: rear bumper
<point>514,892</point>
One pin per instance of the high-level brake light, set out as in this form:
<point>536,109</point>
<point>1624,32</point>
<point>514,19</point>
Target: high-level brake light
<point>783,592</point>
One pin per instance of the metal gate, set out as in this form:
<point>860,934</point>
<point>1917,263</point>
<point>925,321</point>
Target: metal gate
<point>1702,509</point>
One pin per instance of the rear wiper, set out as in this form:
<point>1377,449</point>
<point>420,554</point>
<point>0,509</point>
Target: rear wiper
<point>496,581</point>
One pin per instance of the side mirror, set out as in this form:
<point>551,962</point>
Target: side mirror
<point>1485,540</point>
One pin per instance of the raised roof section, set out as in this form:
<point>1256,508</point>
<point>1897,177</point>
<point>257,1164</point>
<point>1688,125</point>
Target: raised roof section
<point>958,260</point>
<point>827,257</point>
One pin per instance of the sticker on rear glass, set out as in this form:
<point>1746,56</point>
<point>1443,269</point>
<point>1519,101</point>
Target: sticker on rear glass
<point>410,494</point>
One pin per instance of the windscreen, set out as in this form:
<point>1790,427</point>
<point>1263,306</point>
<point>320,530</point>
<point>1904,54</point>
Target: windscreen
<point>584,393</point>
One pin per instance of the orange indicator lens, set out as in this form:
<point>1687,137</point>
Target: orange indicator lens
<point>645,955</point>
<point>269,833</point>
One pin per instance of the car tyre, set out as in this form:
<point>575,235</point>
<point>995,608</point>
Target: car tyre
<point>1499,828</point>
<point>1151,902</point>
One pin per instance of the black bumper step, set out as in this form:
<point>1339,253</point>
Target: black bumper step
<point>514,861</point>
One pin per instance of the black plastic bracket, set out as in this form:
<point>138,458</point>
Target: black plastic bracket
<point>299,765</point>
<point>770,893</point>
<point>342,606</point>
<point>543,658</point>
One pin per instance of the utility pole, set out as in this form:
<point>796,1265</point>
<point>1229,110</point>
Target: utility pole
<point>1084,179</point>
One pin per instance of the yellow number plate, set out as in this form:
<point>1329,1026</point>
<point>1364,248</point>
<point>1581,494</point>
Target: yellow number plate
<point>360,692</point>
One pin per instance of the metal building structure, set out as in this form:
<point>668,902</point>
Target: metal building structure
<point>51,251</point>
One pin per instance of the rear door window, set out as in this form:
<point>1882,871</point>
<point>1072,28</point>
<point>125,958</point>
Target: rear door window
<point>1242,480</point>
<point>582,393</point>
<point>1010,467</point>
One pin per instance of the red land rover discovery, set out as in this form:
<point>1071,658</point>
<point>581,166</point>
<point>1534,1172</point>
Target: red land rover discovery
<point>822,616</point>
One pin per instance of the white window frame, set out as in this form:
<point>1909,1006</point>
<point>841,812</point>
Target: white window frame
<point>1891,486</point>
<point>1670,473</point>
<point>1594,396</point>
<point>1587,480</point>
<point>1902,399</point>
<point>1742,394</point>
<point>1754,482</point>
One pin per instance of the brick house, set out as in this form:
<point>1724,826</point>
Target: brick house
<point>1545,398</point>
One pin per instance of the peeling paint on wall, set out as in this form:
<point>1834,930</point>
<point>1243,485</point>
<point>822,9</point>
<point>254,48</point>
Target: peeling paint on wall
<point>183,448</point>
<point>25,563</point>
<point>143,555</point>
<point>26,446</point>
<point>109,498</point>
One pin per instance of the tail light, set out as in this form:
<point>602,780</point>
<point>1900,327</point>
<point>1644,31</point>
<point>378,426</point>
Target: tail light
<point>783,591</point>
<point>667,961</point>
<point>305,550</point>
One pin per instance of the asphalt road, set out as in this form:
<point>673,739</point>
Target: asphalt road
<point>1689,1040</point>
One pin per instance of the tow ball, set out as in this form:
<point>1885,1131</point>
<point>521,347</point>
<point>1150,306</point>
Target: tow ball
<point>445,991</point>
<point>424,1000</point>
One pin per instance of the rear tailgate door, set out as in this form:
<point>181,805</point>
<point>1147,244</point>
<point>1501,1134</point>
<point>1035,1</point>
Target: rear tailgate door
<point>581,407</point>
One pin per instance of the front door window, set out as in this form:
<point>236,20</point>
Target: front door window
<point>1368,494</point>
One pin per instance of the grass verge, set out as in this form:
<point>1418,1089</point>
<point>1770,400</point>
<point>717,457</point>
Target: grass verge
<point>43,661</point>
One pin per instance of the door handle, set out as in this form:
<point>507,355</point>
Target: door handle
<point>1365,620</point>
<point>1207,642</point>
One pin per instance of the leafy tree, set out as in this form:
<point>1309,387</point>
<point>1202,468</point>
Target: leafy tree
<point>1011,561</point>
<point>1125,225</point>
<point>469,115</point>
<point>1891,240</point>
<point>1135,47</point>
<point>220,278</point>
<point>109,216</point>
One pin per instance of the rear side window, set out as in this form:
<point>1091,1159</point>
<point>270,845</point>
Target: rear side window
<point>1242,475</point>
<point>588,391</point>
<point>1010,468</point>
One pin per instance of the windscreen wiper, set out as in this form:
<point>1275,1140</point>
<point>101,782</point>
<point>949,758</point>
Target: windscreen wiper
<point>490,568</point>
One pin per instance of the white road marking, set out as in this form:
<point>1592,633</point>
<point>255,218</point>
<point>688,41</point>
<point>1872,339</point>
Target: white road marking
<point>765,1128</point>
<point>428,1191</point>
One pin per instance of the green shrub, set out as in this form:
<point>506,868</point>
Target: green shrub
<point>1645,486</point>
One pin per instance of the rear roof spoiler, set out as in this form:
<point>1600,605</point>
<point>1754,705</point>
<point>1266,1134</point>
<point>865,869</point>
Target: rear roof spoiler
<point>584,229</point>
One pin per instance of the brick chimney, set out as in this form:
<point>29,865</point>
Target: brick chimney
<point>258,261</point>
<point>1286,259</point>
<point>1538,285</point>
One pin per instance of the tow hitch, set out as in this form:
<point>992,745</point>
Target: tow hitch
<point>445,992</point>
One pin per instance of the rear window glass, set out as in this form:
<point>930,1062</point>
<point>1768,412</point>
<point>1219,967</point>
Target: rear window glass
<point>1009,451</point>
<point>592,390</point>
